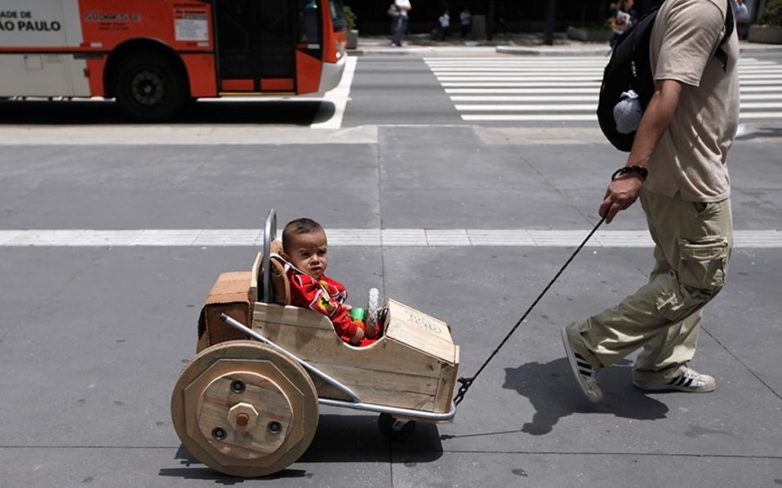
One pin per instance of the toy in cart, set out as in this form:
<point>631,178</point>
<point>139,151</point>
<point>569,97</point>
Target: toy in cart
<point>250,407</point>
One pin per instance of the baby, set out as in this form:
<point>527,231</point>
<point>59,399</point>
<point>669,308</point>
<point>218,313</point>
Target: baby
<point>306,251</point>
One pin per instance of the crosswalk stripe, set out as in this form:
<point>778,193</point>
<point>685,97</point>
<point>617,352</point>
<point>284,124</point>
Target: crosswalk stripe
<point>510,84</point>
<point>522,98</point>
<point>553,75</point>
<point>555,60</point>
<point>594,91</point>
<point>530,117</point>
<point>581,98</point>
<point>526,108</point>
<point>759,91</point>
<point>566,117</point>
<point>569,69</point>
<point>541,78</point>
<point>567,89</point>
<point>771,239</point>
<point>508,107</point>
<point>547,79</point>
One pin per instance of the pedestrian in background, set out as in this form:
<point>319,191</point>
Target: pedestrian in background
<point>678,168</point>
<point>623,19</point>
<point>465,19</point>
<point>399,11</point>
<point>742,12</point>
<point>445,23</point>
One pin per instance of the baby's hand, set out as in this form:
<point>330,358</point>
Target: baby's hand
<point>359,335</point>
<point>347,307</point>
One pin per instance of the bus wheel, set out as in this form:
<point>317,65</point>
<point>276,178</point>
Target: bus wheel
<point>150,87</point>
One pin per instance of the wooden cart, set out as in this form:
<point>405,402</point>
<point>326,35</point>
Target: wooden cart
<point>250,407</point>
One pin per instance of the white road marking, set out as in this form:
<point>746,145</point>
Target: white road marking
<point>583,117</point>
<point>575,98</point>
<point>592,91</point>
<point>508,107</point>
<point>357,237</point>
<point>339,96</point>
<point>180,134</point>
<point>565,89</point>
<point>451,84</point>
<point>582,107</point>
<point>530,117</point>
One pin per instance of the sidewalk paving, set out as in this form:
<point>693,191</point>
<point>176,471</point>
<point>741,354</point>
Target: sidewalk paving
<point>527,44</point>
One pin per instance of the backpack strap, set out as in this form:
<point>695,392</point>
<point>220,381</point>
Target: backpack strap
<point>730,24</point>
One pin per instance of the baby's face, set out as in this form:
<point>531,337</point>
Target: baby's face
<point>309,253</point>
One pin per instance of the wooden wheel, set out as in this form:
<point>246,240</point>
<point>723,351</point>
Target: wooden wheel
<point>244,409</point>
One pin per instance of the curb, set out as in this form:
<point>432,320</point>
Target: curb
<point>527,51</point>
<point>554,51</point>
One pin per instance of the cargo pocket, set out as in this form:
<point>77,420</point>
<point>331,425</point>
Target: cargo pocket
<point>671,303</point>
<point>702,264</point>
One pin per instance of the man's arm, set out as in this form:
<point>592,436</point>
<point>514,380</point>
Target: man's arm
<point>623,191</point>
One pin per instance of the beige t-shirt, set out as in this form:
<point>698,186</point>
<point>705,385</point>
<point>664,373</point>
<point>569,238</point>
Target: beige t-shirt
<point>691,157</point>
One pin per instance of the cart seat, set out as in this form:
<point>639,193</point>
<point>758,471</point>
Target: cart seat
<point>281,288</point>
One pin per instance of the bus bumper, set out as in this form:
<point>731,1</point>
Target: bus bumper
<point>331,75</point>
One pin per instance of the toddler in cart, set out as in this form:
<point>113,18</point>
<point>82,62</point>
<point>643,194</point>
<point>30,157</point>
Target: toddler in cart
<point>305,251</point>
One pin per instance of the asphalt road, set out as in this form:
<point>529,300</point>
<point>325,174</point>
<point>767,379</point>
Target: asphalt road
<point>110,239</point>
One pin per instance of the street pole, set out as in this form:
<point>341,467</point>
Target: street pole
<point>548,34</point>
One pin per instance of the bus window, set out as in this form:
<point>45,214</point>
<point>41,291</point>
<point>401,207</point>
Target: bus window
<point>310,23</point>
<point>337,16</point>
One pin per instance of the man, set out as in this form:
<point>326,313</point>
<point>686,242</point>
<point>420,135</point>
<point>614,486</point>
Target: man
<point>743,11</point>
<point>678,168</point>
<point>400,21</point>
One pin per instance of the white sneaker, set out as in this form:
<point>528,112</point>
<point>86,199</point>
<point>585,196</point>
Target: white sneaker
<point>690,381</point>
<point>583,371</point>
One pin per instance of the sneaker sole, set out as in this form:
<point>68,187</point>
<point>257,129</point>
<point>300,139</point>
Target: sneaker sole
<point>592,395</point>
<point>671,388</point>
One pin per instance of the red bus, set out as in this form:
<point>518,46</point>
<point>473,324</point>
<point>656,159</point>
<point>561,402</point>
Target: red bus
<point>155,56</point>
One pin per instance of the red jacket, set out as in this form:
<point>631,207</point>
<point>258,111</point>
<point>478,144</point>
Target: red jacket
<point>326,296</point>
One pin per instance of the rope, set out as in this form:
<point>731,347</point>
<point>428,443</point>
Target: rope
<point>466,383</point>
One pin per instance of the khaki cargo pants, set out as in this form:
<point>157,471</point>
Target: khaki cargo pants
<point>693,242</point>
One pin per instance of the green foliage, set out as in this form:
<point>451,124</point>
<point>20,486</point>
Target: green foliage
<point>350,17</point>
<point>773,15</point>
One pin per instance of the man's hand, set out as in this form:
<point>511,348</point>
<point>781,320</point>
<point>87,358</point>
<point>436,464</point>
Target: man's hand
<point>621,193</point>
<point>624,190</point>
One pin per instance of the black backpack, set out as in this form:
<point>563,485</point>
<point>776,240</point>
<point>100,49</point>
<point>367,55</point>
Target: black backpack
<point>630,69</point>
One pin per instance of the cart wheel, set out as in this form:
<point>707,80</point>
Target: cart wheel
<point>244,409</point>
<point>394,429</point>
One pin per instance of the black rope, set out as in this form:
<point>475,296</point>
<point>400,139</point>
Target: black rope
<point>466,383</point>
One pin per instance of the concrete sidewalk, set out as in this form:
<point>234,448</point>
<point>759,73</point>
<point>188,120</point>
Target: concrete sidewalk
<point>516,44</point>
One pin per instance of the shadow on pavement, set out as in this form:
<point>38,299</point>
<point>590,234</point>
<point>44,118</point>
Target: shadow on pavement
<point>357,438</point>
<point>339,438</point>
<point>289,112</point>
<point>554,394</point>
<point>760,133</point>
<point>193,470</point>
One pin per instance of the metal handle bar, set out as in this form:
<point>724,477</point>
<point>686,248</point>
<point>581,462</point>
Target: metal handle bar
<point>269,233</point>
